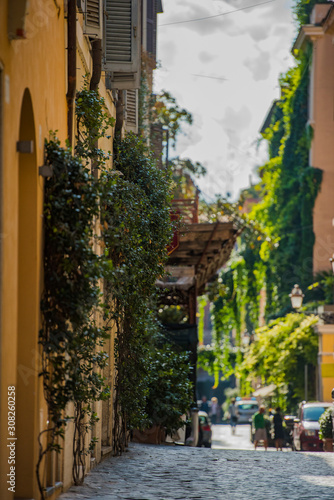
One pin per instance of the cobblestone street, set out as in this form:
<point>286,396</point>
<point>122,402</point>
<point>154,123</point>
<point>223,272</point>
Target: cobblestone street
<point>148,472</point>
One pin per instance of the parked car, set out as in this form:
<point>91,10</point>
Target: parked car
<point>204,431</point>
<point>246,409</point>
<point>306,426</point>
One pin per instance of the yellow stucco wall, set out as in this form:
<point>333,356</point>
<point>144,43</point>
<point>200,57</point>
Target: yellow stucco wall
<point>327,387</point>
<point>33,90</point>
<point>33,75</point>
<point>326,360</point>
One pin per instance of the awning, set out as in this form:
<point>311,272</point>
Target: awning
<point>264,392</point>
<point>178,278</point>
<point>203,249</point>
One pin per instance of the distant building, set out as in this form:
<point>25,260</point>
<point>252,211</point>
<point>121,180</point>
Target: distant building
<point>320,32</point>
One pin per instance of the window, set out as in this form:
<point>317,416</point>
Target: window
<point>121,43</point>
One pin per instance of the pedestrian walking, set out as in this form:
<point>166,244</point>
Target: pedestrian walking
<point>233,412</point>
<point>278,429</point>
<point>260,428</point>
<point>204,405</point>
<point>214,410</point>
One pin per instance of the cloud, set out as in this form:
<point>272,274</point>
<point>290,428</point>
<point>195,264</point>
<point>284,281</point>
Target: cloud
<point>214,25</point>
<point>169,49</point>
<point>259,32</point>
<point>278,12</point>
<point>246,5</point>
<point>190,135</point>
<point>235,121</point>
<point>281,30</point>
<point>227,113</point>
<point>206,57</point>
<point>201,20</point>
<point>259,66</point>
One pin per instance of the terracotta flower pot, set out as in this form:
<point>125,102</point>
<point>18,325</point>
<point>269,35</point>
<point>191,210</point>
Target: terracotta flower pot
<point>328,444</point>
<point>154,435</point>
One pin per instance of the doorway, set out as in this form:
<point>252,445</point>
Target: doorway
<point>28,309</point>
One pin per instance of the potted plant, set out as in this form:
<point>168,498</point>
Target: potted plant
<point>169,396</point>
<point>326,429</point>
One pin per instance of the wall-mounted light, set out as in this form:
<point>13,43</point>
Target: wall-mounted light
<point>26,147</point>
<point>296,297</point>
<point>45,171</point>
<point>331,260</point>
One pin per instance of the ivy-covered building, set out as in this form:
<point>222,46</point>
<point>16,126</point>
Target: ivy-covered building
<point>299,128</point>
<point>319,33</point>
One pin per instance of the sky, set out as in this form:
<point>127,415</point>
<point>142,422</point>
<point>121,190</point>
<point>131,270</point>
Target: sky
<point>224,70</point>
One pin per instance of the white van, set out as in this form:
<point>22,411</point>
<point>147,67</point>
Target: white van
<point>246,409</point>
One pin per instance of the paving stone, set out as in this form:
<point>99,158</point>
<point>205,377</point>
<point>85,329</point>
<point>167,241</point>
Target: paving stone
<point>149,472</point>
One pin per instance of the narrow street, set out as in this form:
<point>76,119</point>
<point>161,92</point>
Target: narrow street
<point>231,470</point>
<point>223,438</point>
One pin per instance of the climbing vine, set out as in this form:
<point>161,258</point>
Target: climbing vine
<point>71,338</point>
<point>277,249</point>
<point>137,230</point>
<point>106,234</point>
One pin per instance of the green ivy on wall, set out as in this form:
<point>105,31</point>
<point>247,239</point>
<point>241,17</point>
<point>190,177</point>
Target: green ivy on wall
<point>136,231</point>
<point>70,338</point>
<point>131,205</point>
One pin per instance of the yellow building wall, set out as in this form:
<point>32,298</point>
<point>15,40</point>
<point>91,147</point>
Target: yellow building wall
<point>327,365</point>
<point>33,90</point>
<point>326,360</point>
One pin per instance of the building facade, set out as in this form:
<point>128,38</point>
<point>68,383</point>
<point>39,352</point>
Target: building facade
<point>320,33</point>
<point>47,50</point>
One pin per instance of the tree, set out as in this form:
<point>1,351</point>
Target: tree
<point>166,111</point>
<point>279,354</point>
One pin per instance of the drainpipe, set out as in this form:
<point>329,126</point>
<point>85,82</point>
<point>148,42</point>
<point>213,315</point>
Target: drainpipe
<point>97,64</point>
<point>71,65</point>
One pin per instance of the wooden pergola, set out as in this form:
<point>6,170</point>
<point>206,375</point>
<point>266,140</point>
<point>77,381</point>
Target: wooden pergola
<point>203,249</point>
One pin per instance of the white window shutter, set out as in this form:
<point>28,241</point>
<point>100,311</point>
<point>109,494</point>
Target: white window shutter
<point>131,111</point>
<point>93,18</point>
<point>122,43</point>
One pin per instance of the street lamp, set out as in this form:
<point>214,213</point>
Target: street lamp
<point>296,297</point>
<point>331,260</point>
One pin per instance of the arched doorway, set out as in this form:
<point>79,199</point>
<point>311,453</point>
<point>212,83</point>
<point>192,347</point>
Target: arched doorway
<point>28,309</point>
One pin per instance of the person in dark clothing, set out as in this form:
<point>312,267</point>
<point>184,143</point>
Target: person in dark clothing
<point>233,412</point>
<point>204,404</point>
<point>214,410</point>
<point>278,429</point>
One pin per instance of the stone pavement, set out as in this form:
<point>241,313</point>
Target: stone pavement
<point>148,472</point>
